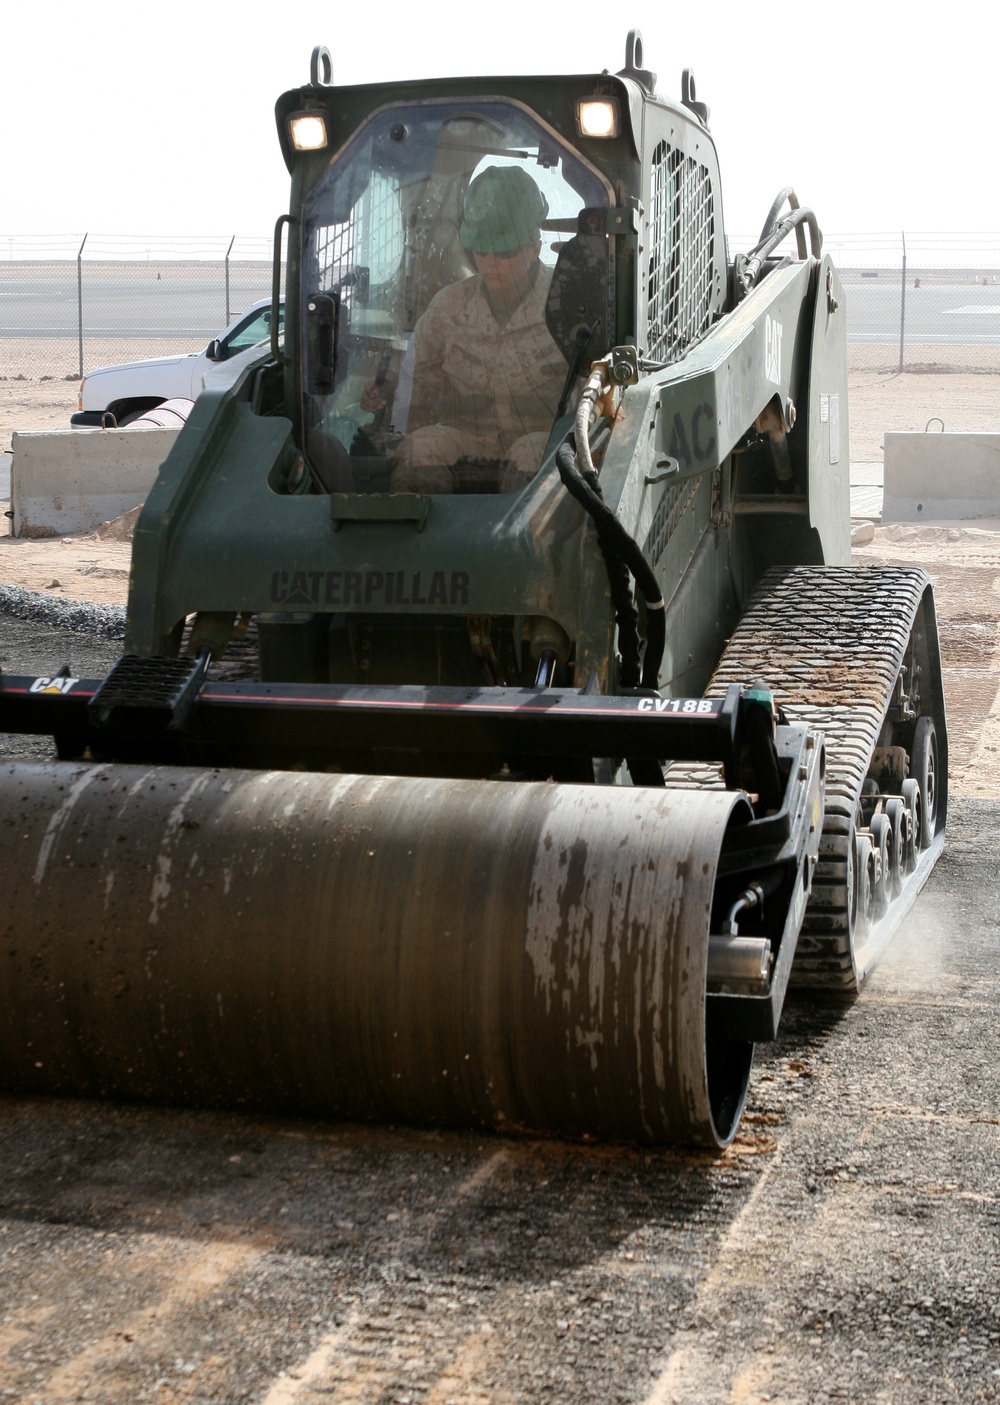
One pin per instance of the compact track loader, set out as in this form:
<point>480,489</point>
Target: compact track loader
<point>500,727</point>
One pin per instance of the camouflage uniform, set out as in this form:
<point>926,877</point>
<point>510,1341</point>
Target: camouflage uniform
<point>483,387</point>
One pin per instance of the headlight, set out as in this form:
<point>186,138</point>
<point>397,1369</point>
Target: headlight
<point>307,131</point>
<point>597,117</point>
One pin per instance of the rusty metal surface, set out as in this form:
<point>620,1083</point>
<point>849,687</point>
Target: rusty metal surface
<point>449,952</point>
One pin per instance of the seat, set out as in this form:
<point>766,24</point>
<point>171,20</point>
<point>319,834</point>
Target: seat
<point>578,296</point>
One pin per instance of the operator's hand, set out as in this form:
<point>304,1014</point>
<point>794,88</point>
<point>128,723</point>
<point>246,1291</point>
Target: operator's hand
<point>372,399</point>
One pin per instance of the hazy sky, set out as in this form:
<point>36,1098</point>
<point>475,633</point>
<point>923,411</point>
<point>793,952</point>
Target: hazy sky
<point>123,118</point>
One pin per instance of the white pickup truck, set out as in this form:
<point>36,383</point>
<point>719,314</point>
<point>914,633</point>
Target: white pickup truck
<point>129,390</point>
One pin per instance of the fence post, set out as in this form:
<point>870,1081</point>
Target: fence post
<point>902,304</point>
<point>228,252</point>
<point>79,304</point>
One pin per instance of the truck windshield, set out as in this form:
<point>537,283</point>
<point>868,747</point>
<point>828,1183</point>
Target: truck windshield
<point>454,260</point>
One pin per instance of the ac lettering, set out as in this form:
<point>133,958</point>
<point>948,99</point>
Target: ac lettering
<point>702,451</point>
<point>697,442</point>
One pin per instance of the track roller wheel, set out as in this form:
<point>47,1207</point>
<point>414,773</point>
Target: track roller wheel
<point>914,807</point>
<point>896,814</point>
<point>881,833</point>
<point>864,883</point>
<point>923,769</point>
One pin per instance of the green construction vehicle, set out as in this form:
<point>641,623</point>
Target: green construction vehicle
<point>501,726</point>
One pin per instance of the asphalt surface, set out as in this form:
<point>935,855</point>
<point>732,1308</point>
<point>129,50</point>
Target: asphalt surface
<point>846,1248</point>
<point>178,300</point>
<point>128,299</point>
<point>966,314</point>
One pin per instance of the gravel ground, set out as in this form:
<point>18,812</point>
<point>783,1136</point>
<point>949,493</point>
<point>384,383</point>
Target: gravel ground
<point>67,616</point>
<point>845,1248</point>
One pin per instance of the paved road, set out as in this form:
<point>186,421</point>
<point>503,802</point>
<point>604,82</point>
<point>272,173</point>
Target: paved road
<point>846,1248</point>
<point>963,314</point>
<point>171,300</point>
<point>127,300</point>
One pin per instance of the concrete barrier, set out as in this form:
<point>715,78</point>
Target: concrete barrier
<point>940,477</point>
<point>72,480</point>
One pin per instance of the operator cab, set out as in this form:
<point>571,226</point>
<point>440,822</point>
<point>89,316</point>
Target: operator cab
<point>454,275</point>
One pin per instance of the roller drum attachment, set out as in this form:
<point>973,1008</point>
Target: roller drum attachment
<point>454,952</point>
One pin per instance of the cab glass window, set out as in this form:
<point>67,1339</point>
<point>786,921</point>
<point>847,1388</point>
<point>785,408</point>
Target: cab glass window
<point>454,274</point>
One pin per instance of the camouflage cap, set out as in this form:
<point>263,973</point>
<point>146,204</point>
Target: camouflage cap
<point>504,210</point>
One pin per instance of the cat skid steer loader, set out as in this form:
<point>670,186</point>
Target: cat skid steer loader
<point>501,726</point>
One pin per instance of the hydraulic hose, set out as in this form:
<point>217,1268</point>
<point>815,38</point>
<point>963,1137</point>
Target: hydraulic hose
<point>792,221</point>
<point>772,215</point>
<point>619,580</point>
<point>589,397</point>
<point>584,336</point>
<point>622,549</point>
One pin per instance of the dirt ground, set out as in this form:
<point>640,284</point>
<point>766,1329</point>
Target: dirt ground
<point>85,566</point>
<point>964,401</point>
<point>35,404</point>
<point>963,562</point>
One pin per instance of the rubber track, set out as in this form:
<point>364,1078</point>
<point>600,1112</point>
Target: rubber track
<point>829,641</point>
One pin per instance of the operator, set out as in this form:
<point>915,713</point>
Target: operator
<point>487,375</point>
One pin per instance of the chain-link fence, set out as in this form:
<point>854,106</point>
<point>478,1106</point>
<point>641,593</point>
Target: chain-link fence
<point>918,302</point>
<point>69,304</point>
<point>120,299</point>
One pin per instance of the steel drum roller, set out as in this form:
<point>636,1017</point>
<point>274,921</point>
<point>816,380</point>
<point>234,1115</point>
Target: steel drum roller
<point>518,956</point>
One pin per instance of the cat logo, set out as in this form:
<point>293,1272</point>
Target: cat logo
<point>53,685</point>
